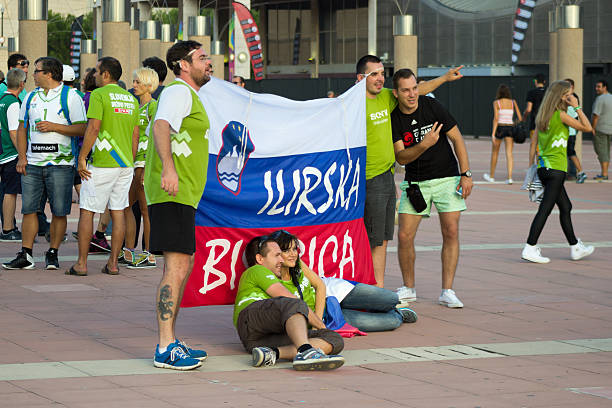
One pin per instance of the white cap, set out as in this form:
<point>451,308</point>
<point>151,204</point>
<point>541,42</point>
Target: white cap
<point>69,73</point>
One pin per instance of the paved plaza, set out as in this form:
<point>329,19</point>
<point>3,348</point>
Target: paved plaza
<point>529,335</point>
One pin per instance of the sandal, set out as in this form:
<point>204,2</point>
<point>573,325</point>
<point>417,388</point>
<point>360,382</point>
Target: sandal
<point>108,271</point>
<point>73,271</point>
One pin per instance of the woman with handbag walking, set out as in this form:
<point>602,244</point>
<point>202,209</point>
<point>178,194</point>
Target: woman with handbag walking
<point>504,108</point>
<point>552,127</point>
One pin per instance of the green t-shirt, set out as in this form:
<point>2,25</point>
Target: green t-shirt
<point>22,94</point>
<point>118,111</point>
<point>380,154</point>
<point>9,151</point>
<point>252,287</point>
<point>307,290</point>
<point>189,150</point>
<point>553,144</point>
<point>147,113</point>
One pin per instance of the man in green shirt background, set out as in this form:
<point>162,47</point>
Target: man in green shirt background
<point>112,132</point>
<point>379,212</point>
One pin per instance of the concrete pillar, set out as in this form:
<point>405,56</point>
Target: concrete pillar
<point>97,23</point>
<point>89,55</point>
<point>134,43</point>
<point>217,57</point>
<point>4,54</point>
<point>200,29</point>
<point>150,34</point>
<point>553,60</point>
<point>186,9</point>
<point>167,40</point>
<point>372,10</point>
<point>314,38</point>
<point>33,32</point>
<point>116,29</point>
<point>570,54</point>
<point>405,43</point>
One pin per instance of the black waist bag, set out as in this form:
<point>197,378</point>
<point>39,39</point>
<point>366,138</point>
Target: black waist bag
<point>416,197</point>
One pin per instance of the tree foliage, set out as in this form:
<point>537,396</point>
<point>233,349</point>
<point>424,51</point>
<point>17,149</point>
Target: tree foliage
<point>58,34</point>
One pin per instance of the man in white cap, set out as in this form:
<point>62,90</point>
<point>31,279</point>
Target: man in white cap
<point>69,77</point>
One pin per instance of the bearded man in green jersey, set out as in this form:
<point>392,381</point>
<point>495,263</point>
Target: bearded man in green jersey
<point>175,176</point>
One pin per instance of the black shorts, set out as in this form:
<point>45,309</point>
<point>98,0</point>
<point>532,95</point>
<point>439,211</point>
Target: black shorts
<point>262,323</point>
<point>77,179</point>
<point>503,131</point>
<point>172,228</point>
<point>571,146</point>
<point>379,212</point>
<point>11,180</point>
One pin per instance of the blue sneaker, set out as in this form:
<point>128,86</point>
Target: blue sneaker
<point>408,315</point>
<point>175,358</point>
<point>315,359</point>
<point>193,353</point>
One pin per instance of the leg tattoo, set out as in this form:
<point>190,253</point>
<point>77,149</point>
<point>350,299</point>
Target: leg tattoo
<point>164,307</point>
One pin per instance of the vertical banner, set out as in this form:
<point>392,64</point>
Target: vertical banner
<point>252,37</point>
<point>276,164</point>
<point>524,12</point>
<point>231,47</point>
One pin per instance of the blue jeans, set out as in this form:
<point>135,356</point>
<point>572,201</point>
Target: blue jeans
<point>55,181</point>
<point>379,304</point>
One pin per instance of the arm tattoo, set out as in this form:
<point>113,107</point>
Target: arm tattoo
<point>164,306</point>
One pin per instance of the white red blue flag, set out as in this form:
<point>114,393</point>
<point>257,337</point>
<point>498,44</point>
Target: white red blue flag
<point>276,163</point>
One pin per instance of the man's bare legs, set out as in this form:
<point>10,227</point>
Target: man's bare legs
<point>57,230</point>
<point>408,225</point>
<point>177,269</point>
<point>29,229</point>
<point>8,211</point>
<point>297,330</point>
<point>118,235</point>
<point>379,261</point>
<point>449,224</point>
<point>85,229</point>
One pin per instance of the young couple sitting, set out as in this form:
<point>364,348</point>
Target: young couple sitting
<point>279,297</point>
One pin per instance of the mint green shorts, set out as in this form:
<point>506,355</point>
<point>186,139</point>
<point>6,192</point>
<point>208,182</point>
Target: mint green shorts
<point>442,192</point>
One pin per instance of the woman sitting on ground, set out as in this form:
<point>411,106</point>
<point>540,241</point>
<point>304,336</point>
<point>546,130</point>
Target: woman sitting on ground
<point>366,307</point>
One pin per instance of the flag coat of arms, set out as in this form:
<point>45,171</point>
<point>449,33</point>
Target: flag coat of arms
<point>276,163</point>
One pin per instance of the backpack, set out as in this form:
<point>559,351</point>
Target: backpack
<point>64,103</point>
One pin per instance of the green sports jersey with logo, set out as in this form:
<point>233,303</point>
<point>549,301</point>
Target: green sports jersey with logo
<point>190,155</point>
<point>553,144</point>
<point>147,114</point>
<point>252,287</point>
<point>9,151</point>
<point>308,292</point>
<point>118,112</point>
<point>380,155</point>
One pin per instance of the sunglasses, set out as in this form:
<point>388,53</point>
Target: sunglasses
<point>236,83</point>
<point>23,63</point>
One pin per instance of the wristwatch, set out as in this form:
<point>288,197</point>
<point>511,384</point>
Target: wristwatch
<point>467,173</point>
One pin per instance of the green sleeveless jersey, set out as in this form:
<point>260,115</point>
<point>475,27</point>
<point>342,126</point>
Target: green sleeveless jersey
<point>553,144</point>
<point>190,155</point>
<point>9,151</point>
<point>147,114</point>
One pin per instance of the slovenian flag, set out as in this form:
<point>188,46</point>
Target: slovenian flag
<point>276,163</point>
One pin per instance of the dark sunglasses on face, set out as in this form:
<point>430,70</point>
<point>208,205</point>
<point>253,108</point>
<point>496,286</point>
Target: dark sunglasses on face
<point>23,63</point>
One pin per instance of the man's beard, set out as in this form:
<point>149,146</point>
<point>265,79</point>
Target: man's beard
<point>201,79</point>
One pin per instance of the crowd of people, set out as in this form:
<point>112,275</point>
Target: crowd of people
<point>115,147</point>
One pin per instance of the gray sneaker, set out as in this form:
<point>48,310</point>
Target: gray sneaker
<point>263,356</point>
<point>12,236</point>
<point>315,359</point>
<point>408,315</point>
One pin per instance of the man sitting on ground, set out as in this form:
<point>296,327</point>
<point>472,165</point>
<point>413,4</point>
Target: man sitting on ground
<point>272,323</point>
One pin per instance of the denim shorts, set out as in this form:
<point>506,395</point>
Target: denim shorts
<point>56,181</point>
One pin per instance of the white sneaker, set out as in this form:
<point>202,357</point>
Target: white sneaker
<point>406,295</point>
<point>449,299</point>
<point>488,178</point>
<point>580,250</point>
<point>533,253</point>
<point>509,181</point>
